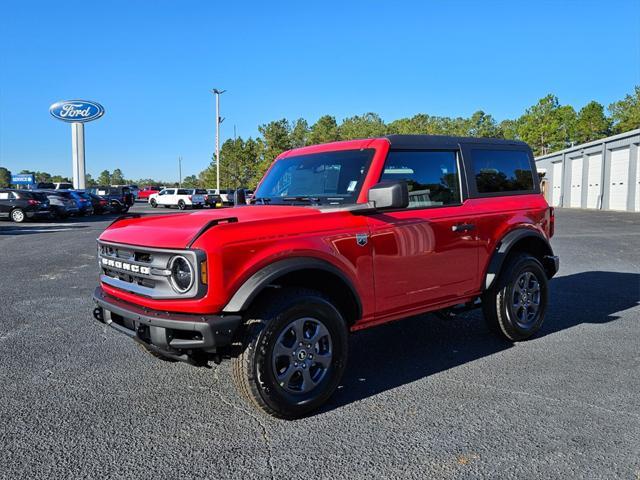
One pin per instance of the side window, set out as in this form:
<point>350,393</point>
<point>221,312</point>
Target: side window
<point>4,195</point>
<point>182,191</point>
<point>502,171</point>
<point>432,176</point>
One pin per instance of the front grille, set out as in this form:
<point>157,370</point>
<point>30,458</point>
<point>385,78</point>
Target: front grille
<point>145,271</point>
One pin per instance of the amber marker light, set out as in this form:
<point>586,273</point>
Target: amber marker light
<point>203,272</point>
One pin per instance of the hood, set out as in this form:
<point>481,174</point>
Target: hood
<point>178,230</point>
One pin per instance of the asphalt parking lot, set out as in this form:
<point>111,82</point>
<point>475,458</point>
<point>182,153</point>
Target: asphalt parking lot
<point>422,398</point>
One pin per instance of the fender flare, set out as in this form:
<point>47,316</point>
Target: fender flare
<point>261,279</point>
<point>504,246</point>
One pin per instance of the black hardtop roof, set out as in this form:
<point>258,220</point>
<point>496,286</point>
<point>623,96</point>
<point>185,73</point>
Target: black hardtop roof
<point>444,141</point>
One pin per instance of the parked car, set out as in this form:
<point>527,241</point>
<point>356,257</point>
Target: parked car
<point>100,204</point>
<point>146,191</point>
<point>19,205</point>
<point>178,197</point>
<point>226,195</point>
<point>135,191</point>
<point>343,236</point>
<point>83,201</point>
<point>212,198</point>
<point>62,185</point>
<point>120,198</point>
<point>61,203</point>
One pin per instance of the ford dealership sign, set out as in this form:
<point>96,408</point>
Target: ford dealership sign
<point>76,110</point>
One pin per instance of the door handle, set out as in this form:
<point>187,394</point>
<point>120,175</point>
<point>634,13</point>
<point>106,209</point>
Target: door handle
<point>462,227</point>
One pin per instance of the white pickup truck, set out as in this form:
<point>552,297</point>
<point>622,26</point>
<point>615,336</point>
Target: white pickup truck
<point>178,197</point>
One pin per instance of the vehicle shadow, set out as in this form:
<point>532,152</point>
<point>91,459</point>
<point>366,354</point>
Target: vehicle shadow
<point>31,229</point>
<point>392,355</point>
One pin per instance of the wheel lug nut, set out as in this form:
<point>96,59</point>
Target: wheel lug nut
<point>304,365</point>
<point>295,364</point>
<point>308,345</point>
<point>311,356</point>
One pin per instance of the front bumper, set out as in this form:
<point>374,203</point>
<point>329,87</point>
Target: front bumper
<point>174,335</point>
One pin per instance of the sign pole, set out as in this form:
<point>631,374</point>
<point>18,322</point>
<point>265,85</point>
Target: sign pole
<point>77,146</point>
<point>77,112</point>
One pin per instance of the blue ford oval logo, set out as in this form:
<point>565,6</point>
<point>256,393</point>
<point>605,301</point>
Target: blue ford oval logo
<point>76,110</point>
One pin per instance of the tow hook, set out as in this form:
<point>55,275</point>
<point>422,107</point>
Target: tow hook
<point>98,314</point>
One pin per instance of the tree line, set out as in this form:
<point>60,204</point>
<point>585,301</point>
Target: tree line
<point>546,126</point>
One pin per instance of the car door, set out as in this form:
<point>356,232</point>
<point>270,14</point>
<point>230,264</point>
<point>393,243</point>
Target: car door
<point>425,254</point>
<point>5,203</point>
<point>163,197</point>
<point>172,196</point>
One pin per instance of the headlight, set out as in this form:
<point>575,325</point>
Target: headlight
<point>182,276</point>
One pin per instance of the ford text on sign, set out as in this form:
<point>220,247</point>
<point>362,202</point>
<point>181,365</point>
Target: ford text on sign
<point>76,110</point>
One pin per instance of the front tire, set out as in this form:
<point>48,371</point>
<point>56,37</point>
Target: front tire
<point>515,308</point>
<point>153,203</point>
<point>295,355</point>
<point>18,215</point>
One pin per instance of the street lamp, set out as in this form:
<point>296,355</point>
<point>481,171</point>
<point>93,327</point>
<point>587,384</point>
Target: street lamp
<point>219,120</point>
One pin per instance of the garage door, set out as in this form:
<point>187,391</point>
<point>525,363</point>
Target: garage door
<point>619,184</point>
<point>576,183</point>
<point>638,179</point>
<point>557,184</point>
<point>594,175</point>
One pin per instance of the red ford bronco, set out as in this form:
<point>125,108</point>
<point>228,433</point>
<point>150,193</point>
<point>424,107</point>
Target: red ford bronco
<point>340,237</point>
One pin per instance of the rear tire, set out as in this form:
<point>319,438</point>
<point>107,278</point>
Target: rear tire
<point>182,205</point>
<point>18,215</point>
<point>515,307</point>
<point>277,372</point>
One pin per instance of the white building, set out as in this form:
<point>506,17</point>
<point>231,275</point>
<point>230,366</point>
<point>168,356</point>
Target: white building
<point>601,175</point>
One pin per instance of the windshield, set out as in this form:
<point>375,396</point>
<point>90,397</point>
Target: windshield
<point>320,178</point>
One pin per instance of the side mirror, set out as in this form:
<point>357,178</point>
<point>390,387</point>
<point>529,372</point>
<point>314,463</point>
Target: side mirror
<point>239,197</point>
<point>389,195</point>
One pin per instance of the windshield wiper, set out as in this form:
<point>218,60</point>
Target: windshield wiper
<point>303,198</point>
<point>262,200</point>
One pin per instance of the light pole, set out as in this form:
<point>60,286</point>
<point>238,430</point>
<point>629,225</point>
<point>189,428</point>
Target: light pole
<point>219,120</point>
<point>180,172</point>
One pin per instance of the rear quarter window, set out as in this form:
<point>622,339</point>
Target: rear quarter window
<point>497,171</point>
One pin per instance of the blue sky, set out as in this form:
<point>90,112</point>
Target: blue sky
<point>151,64</point>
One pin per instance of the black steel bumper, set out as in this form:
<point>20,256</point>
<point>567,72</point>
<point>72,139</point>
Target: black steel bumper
<point>174,335</point>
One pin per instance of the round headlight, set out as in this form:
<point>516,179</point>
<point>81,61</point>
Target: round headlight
<point>182,276</point>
